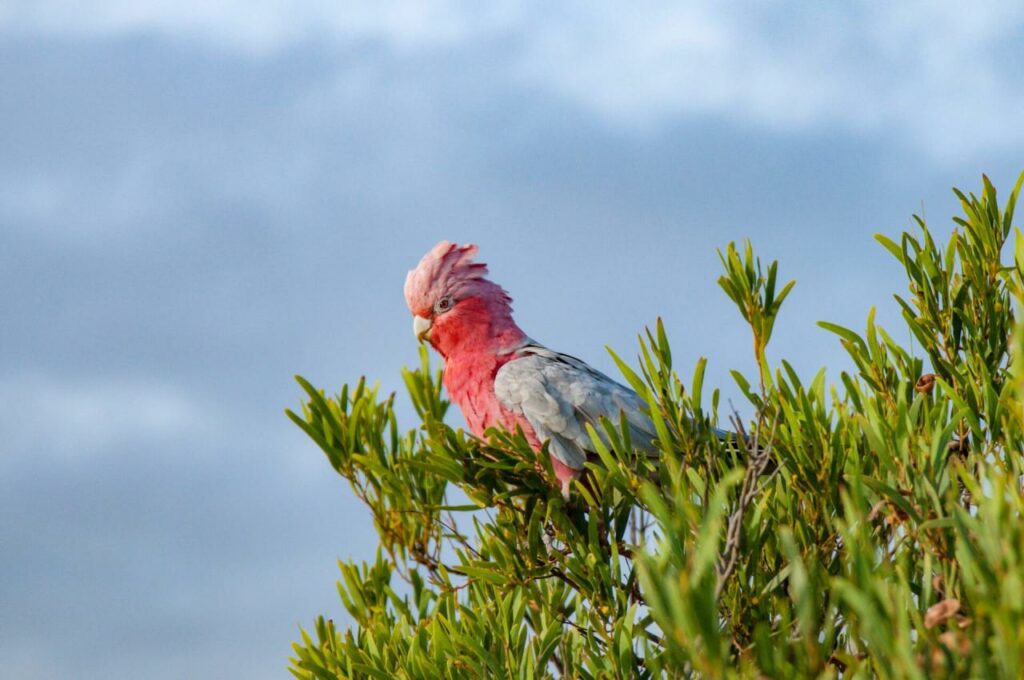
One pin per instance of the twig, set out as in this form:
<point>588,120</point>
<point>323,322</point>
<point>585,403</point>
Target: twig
<point>758,458</point>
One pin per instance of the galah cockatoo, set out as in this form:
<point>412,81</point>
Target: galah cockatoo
<point>500,376</point>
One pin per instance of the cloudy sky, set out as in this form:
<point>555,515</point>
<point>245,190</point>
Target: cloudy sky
<point>199,200</point>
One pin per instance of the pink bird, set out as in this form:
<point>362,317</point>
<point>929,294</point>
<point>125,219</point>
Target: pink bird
<point>500,377</point>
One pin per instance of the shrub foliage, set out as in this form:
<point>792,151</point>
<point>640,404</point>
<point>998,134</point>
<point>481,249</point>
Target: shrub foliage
<point>870,527</point>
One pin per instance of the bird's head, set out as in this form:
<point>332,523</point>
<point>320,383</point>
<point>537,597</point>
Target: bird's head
<point>453,304</point>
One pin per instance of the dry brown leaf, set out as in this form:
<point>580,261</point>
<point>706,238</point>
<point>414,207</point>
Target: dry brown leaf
<point>875,510</point>
<point>938,613</point>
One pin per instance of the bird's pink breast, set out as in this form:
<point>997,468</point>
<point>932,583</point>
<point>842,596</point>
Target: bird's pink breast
<point>470,383</point>
<point>469,379</point>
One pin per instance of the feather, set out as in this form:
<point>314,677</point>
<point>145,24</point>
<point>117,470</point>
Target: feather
<point>559,395</point>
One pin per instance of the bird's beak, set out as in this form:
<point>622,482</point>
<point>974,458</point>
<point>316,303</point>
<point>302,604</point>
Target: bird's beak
<point>421,328</point>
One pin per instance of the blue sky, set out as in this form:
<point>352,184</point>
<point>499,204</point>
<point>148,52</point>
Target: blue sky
<point>199,200</point>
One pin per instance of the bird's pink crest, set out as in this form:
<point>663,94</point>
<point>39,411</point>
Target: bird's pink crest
<point>449,269</point>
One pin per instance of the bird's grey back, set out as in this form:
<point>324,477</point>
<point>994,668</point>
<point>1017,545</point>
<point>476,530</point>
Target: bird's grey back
<point>559,395</point>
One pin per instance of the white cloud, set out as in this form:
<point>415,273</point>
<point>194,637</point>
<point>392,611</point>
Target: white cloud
<point>930,73</point>
<point>73,421</point>
<point>920,70</point>
<point>258,26</point>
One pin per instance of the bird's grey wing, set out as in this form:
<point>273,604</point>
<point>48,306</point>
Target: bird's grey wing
<point>559,395</point>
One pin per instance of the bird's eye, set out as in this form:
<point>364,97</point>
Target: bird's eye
<point>443,305</point>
